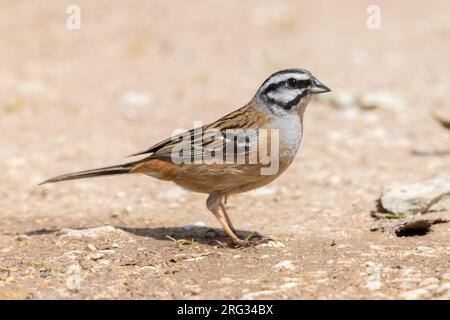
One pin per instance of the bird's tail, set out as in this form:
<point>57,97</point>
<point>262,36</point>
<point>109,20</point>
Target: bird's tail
<point>106,171</point>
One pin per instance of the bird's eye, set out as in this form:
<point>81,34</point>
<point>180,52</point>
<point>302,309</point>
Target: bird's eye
<point>293,83</point>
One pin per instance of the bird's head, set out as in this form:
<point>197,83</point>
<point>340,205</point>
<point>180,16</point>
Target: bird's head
<point>288,91</point>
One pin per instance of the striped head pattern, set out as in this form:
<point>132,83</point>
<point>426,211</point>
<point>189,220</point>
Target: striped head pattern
<point>286,89</point>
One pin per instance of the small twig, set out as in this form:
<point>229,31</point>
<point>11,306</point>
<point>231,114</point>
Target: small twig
<point>180,242</point>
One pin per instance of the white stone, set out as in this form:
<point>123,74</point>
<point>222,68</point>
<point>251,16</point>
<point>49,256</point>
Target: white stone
<point>273,244</point>
<point>286,265</point>
<point>91,247</point>
<point>416,197</point>
<point>97,256</point>
<point>195,259</point>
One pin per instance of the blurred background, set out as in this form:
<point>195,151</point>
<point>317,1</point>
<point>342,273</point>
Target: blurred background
<point>74,99</point>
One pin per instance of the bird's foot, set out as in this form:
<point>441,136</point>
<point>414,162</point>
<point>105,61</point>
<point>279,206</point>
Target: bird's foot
<point>251,240</point>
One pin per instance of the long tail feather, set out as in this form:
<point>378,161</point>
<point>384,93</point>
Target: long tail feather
<point>106,171</point>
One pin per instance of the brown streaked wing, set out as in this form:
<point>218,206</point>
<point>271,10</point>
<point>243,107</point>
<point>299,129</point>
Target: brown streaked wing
<point>243,118</point>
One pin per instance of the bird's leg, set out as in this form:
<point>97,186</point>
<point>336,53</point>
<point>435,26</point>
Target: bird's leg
<point>226,228</point>
<point>213,204</point>
<point>222,202</point>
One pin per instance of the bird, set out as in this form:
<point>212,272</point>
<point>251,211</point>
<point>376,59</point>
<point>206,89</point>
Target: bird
<point>243,150</point>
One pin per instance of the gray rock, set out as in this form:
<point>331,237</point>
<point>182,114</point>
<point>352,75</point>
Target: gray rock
<point>433,195</point>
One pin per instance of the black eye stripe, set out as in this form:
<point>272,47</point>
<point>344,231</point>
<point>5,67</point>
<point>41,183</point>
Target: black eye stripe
<point>295,83</point>
<point>304,83</point>
<point>292,83</point>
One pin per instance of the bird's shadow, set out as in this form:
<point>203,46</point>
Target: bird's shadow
<point>41,232</point>
<point>203,235</point>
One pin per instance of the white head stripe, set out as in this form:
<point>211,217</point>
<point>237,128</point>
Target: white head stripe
<point>284,77</point>
<point>284,96</point>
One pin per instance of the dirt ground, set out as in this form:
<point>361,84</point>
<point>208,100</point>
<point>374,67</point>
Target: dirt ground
<point>79,99</point>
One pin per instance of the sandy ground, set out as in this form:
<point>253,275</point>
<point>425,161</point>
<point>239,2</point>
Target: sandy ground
<point>78,99</point>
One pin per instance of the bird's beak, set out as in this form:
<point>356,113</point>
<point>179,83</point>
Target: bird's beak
<point>319,87</point>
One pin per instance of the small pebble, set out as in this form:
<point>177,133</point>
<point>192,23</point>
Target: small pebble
<point>273,244</point>
<point>97,256</point>
<point>286,265</point>
<point>91,247</point>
